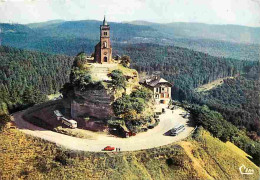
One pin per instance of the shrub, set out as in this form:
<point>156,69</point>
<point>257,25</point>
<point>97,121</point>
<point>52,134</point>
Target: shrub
<point>118,79</point>
<point>67,90</point>
<point>138,104</point>
<point>80,60</point>
<point>80,79</point>
<point>128,106</point>
<point>3,120</point>
<point>143,93</point>
<point>122,105</point>
<point>125,61</point>
<point>62,158</point>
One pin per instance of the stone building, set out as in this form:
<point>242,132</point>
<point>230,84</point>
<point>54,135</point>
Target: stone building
<point>103,50</point>
<point>161,89</point>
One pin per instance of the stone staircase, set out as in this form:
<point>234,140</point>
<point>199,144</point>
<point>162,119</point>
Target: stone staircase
<point>100,71</point>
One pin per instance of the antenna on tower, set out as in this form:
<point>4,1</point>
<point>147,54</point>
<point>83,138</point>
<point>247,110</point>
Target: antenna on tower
<point>82,49</point>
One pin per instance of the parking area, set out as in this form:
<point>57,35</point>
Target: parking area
<point>152,138</point>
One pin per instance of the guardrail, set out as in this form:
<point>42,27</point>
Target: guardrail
<point>193,130</point>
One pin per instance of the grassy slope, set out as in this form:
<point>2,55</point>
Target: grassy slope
<point>201,157</point>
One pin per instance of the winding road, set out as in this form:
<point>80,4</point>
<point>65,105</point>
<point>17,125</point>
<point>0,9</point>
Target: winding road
<point>146,140</point>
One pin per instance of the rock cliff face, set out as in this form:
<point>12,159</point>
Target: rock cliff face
<point>95,103</point>
<point>94,87</point>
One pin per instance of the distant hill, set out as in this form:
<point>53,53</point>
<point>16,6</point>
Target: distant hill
<point>70,37</point>
<point>14,28</point>
<point>229,33</point>
<point>43,24</point>
<point>90,29</point>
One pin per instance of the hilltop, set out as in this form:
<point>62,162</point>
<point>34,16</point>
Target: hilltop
<point>107,92</point>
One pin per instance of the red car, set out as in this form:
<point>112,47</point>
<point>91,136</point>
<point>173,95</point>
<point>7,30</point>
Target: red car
<point>109,148</point>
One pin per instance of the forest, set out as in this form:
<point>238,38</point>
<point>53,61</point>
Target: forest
<point>237,99</point>
<point>47,73</point>
<point>187,69</point>
<point>214,122</point>
<point>28,71</point>
<point>26,77</point>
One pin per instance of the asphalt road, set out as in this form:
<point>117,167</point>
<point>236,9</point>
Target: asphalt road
<point>152,138</point>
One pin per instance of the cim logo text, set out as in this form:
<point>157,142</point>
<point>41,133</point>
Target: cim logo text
<point>244,170</point>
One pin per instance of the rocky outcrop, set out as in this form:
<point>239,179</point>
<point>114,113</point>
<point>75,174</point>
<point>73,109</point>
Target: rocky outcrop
<point>95,103</point>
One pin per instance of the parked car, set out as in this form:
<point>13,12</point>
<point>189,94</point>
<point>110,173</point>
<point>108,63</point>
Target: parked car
<point>163,110</point>
<point>151,126</point>
<point>144,129</point>
<point>109,148</point>
<point>177,129</point>
<point>156,116</point>
<point>187,115</point>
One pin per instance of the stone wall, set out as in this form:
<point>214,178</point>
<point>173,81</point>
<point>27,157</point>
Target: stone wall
<point>95,103</point>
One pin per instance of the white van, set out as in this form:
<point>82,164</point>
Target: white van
<point>71,123</point>
<point>177,129</point>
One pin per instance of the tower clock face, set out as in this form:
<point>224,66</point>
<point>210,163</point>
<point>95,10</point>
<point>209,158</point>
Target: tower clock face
<point>105,53</point>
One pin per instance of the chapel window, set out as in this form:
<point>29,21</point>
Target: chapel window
<point>105,44</point>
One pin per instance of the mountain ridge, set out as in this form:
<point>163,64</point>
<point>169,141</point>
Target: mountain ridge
<point>67,37</point>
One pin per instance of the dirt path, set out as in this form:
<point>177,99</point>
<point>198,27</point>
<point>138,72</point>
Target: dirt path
<point>211,85</point>
<point>150,139</point>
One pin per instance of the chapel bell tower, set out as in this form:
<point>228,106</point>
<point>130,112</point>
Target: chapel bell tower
<point>103,50</point>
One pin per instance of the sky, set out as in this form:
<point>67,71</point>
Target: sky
<point>241,12</point>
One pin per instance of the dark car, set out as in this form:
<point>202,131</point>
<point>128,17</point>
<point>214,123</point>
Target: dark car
<point>163,110</point>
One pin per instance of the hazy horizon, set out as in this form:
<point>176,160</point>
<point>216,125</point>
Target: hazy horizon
<point>138,20</point>
<point>222,12</point>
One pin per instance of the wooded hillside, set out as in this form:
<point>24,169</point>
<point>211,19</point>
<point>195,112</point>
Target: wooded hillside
<point>186,68</point>
<point>26,76</point>
<point>24,72</point>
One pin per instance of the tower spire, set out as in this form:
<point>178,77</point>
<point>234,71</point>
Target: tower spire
<point>104,21</point>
